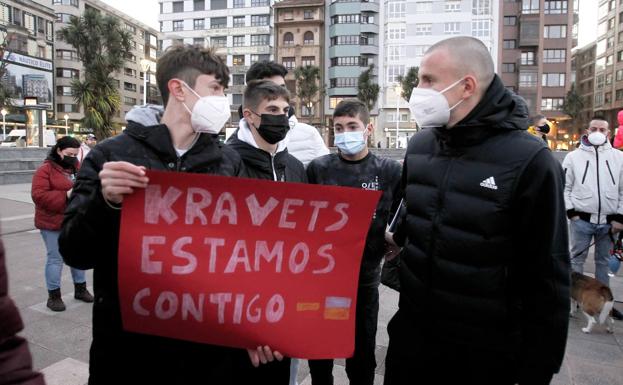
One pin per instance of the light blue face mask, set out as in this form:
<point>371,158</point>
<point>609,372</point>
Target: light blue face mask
<point>350,143</point>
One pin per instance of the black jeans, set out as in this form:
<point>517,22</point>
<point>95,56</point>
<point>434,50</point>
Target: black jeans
<point>360,367</point>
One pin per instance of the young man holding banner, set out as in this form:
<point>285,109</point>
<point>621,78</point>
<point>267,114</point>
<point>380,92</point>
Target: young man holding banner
<point>356,166</point>
<point>261,141</point>
<point>182,138</point>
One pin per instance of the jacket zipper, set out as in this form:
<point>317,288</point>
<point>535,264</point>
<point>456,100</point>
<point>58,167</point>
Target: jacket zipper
<point>610,171</point>
<point>585,172</point>
<point>272,165</point>
<point>598,189</point>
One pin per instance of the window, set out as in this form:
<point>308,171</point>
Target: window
<point>308,14</point>
<point>599,82</point>
<point>420,50</point>
<point>307,111</point>
<point>236,99</point>
<point>393,72</point>
<point>199,5</point>
<point>599,99</point>
<point>239,41</point>
<point>256,58</point>
<point>259,3</point>
<point>424,7</point>
<point>62,17</point>
<point>554,56</point>
<point>67,108</point>
<point>453,28</point>
<point>199,24</point>
<point>395,52</point>
<point>128,101</point>
<point>619,94</point>
<point>608,97</point>
<point>259,20</point>
<point>238,3</point>
<point>527,78</point>
<point>481,28</point>
<point>73,3</point>
<point>335,100</point>
<point>308,61</point>
<point>198,41</point>
<point>553,80</point>
<point>238,79</point>
<point>129,72</point>
<point>609,60</point>
<point>399,9</point>
<point>130,28</point>
<point>345,61</point>
<point>178,25</point>
<point>527,58</point>
<point>218,4</point>
<point>218,22</point>
<point>219,42</point>
<point>64,91</point>
<point>398,33</point>
<point>423,29</point>
<point>530,6</point>
<point>129,86</point>
<point>346,19</point>
<point>178,6</point>
<point>308,38</point>
<point>619,75</point>
<point>481,7</point>
<point>555,31</point>
<point>67,73</point>
<point>552,104</point>
<point>238,60</point>
<point>258,40</point>
<point>67,55</point>
<point>510,20</point>
<point>288,38</point>
<point>288,15</point>
<point>289,63</point>
<point>239,21</point>
<point>508,67</point>
<point>555,7</point>
<point>343,82</point>
<point>452,6</point>
<point>608,79</point>
<point>510,44</point>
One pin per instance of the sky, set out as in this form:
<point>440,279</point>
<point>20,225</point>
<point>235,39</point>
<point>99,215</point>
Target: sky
<point>587,24</point>
<point>145,11</point>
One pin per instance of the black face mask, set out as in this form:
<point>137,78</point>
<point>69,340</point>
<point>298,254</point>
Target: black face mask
<point>544,128</point>
<point>273,128</point>
<point>69,161</point>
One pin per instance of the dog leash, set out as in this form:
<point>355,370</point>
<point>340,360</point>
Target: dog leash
<point>599,238</point>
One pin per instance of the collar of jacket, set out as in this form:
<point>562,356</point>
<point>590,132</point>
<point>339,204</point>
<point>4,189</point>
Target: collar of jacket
<point>256,157</point>
<point>158,139</point>
<point>499,111</point>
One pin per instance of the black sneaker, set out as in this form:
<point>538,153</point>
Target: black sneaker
<point>616,314</point>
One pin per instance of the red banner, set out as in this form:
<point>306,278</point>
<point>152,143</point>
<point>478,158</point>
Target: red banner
<point>243,263</point>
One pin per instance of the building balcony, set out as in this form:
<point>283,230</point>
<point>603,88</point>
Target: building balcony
<point>299,50</point>
<point>251,50</point>
<point>262,30</point>
<point>342,91</point>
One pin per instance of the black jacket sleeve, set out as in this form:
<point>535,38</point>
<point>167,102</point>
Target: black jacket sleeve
<point>539,272</point>
<point>311,172</point>
<point>90,227</point>
<point>400,235</point>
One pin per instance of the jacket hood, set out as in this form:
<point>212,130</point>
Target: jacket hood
<point>499,110</point>
<point>244,134</point>
<point>147,115</point>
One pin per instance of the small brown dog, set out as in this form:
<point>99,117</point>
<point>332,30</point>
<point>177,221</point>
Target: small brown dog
<point>594,298</point>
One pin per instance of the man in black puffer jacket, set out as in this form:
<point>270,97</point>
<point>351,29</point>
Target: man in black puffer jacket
<point>484,297</point>
<point>182,138</point>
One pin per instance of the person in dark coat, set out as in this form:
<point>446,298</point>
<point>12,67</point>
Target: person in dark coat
<point>484,299</point>
<point>51,186</point>
<point>183,137</point>
<point>15,359</point>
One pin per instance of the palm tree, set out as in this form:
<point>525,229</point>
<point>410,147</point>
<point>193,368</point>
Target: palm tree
<point>102,46</point>
<point>409,82</point>
<point>368,89</point>
<point>307,86</point>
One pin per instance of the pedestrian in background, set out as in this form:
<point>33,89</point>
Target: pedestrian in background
<point>85,147</point>
<point>51,186</point>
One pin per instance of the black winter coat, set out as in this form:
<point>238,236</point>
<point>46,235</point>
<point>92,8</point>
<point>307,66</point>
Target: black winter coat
<point>259,164</point>
<point>90,239</point>
<point>475,273</point>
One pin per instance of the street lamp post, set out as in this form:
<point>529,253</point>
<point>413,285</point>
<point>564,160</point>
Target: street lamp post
<point>66,124</point>
<point>145,65</point>
<point>3,112</point>
<point>398,92</point>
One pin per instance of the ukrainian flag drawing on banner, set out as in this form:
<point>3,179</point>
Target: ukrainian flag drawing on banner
<point>337,308</point>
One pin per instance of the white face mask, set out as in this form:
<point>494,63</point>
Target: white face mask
<point>430,108</point>
<point>209,114</point>
<point>597,138</point>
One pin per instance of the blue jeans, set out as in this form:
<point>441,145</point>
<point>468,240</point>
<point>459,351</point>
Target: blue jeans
<point>582,234</point>
<point>54,263</point>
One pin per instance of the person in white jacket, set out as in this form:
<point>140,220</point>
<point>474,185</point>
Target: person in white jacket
<point>304,141</point>
<point>594,197</point>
